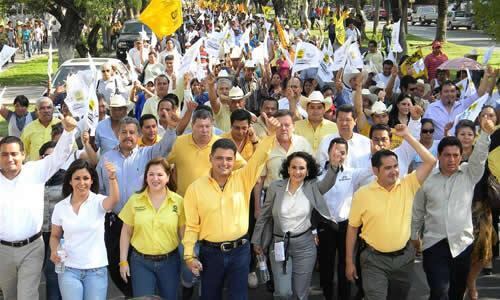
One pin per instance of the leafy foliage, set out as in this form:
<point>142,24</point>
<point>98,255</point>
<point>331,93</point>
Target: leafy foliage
<point>486,16</point>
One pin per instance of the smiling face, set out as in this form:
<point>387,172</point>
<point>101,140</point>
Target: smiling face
<point>297,170</point>
<point>466,136</point>
<point>388,172</point>
<point>239,129</point>
<point>156,177</point>
<point>315,111</point>
<point>81,181</point>
<point>448,94</point>
<point>404,106</point>
<point>128,136</point>
<point>11,158</point>
<point>20,110</point>
<point>222,161</point>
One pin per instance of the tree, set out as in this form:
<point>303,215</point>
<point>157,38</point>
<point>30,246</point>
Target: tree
<point>441,21</point>
<point>487,14</point>
<point>376,17</point>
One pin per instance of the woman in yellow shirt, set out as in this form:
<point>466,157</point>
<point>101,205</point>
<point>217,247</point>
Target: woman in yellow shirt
<point>153,224</point>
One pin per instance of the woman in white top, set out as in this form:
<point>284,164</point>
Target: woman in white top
<point>20,117</point>
<point>81,217</point>
<point>285,219</point>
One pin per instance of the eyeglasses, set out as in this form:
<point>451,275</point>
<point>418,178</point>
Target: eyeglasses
<point>429,131</point>
<point>105,71</point>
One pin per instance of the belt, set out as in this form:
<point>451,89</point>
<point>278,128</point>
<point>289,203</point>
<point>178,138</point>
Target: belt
<point>287,238</point>
<point>226,246</point>
<point>393,253</point>
<point>155,257</point>
<point>22,243</point>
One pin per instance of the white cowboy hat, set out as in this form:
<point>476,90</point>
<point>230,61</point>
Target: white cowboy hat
<point>351,73</point>
<point>372,97</point>
<point>379,86</point>
<point>117,100</point>
<point>235,93</point>
<point>377,108</point>
<point>316,96</point>
<point>250,64</point>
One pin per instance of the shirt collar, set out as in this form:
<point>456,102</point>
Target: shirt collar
<point>296,192</point>
<point>144,197</point>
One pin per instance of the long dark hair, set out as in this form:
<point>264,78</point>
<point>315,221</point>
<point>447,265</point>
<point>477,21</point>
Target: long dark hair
<point>312,166</point>
<point>394,113</point>
<point>79,164</point>
<point>166,166</point>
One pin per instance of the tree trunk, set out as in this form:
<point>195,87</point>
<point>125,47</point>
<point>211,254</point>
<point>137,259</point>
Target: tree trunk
<point>69,35</point>
<point>375,18</point>
<point>92,39</point>
<point>388,10</point>
<point>404,10</point>
<point>357,7</point>
<point>279,7</point>
<point>442,20</point>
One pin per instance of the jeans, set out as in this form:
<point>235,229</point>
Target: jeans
<point>148,275</point>
<point>27,49</point>
<point>219,266</point>
<point>90,284</point>
<point>51,283</point>
<point>446,275</point>
<point>37,47</point>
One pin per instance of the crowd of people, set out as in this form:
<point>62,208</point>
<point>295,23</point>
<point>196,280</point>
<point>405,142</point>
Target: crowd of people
<point>189,176</point>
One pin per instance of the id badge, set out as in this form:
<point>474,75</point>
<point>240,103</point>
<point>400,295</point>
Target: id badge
<point>279,251</point>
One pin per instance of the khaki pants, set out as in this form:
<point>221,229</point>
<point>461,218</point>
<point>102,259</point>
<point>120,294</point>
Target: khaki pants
<point>20,270</point>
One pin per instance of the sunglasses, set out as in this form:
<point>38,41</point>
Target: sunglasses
<point>430,131</point>
<point>105,71</point>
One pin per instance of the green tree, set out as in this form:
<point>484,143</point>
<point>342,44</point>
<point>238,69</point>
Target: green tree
<point>487,16</point>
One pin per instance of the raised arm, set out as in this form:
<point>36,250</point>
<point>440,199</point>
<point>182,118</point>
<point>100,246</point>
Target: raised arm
<point>428,159</point>
<point>390,84</point>
<point>358,103</point>
<point>165,145</point>
<point>114,192</point>
<point>477,160</point>
<point>212,94</point>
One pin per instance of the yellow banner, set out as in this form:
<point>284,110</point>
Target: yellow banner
<point>408,66</point>
<point>281,34</point>
<point>163,16</point>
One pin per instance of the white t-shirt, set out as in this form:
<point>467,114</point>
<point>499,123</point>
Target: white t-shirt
<point>380,77</point>
<point>83,232</point>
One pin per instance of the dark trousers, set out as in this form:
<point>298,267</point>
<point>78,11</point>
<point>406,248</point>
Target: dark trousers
<point>446,276</point>
<point>51,282</point>
<point>331,242</point>
<point>219,266</point>
<point>113,228</point>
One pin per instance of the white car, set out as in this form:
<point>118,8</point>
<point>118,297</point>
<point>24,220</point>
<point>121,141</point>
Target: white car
<point>72,66</point>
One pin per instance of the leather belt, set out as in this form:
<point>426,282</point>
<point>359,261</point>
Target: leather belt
<point>22,243</point>
<point>286,238</point>
<point>226,246</point>
<point>155,257</point>
<point>393,253</point>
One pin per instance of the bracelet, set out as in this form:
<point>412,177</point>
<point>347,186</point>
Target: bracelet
<point>123,263</point>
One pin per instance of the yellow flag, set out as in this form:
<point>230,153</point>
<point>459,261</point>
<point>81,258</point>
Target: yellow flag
<point>268,12</point>
<point>408,66</point>
<point>339,28</point>
<point>163,16</point>
<point>281,34</point>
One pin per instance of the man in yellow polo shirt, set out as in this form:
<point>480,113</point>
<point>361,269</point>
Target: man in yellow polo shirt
<point>384,209</point>
<point>242,133</point>
<point>190,153</point>
<point>315,127</point>
<point>37,133</point>
<point>217,207</point>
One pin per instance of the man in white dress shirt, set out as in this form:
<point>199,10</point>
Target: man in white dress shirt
<point>138,55</point>
<point>21,212</point>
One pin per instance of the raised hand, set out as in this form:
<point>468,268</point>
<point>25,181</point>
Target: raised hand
<point>401,130</point>
<point>416,112</point>
<point>110,169</point>
<point>271,123</point>
<point>172,120</point>
<point>487,126</point>
<point>336,157</point>
<point>69,123</point>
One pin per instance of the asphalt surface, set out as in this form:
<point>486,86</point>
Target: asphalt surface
<point>461,36</point>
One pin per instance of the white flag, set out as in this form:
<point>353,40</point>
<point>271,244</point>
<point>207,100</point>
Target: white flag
<point>143,34</point>
<point>49,63</point>
<point>245,37</point>
<point>154,41</point>
<point>6,54</point>
<point>189,57</point>
<point>340,55</point>
<point>133,73</point>
<point>354,57</point>
<point>488,54</point>
<point>306,56</point>
<point>395,46</point>
<point>472,112</point>
<point>419,66</point>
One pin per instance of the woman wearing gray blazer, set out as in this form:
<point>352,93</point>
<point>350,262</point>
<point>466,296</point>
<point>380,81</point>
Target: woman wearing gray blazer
<point>284,224</point>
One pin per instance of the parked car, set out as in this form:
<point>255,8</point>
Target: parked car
<point>130,31</point>
<point>460,19</point>
<point>72,66</point>
<point>425,15</point>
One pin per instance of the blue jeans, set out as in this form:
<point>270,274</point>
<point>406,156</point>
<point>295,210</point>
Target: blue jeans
<point>219,266</point>
<point>148,275</point>
<point>90,284</point>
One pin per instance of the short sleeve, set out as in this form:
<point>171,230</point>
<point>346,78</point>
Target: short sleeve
<point>411,183</point>
<point>57,215</point>
<point>127,212</point>
<point>99,199</point>
<point>356,210</point>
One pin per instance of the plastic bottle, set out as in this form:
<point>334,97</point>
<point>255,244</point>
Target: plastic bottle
<point>262,267</point>
<point>61,252</point>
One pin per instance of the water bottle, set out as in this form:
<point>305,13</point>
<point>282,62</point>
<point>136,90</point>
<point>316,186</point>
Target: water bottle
<point>262,267</point>
<point>61,252</point>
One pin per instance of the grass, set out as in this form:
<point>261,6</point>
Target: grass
<point>32,72</point>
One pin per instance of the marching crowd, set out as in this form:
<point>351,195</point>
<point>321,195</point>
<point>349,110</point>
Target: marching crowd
<point>189,176</point>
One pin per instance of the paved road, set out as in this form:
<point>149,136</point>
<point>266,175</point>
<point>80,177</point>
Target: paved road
<point>31,92</point>
<point>472,38</point>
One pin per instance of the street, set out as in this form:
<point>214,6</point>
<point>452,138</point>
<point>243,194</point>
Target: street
<point>462,36</point>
